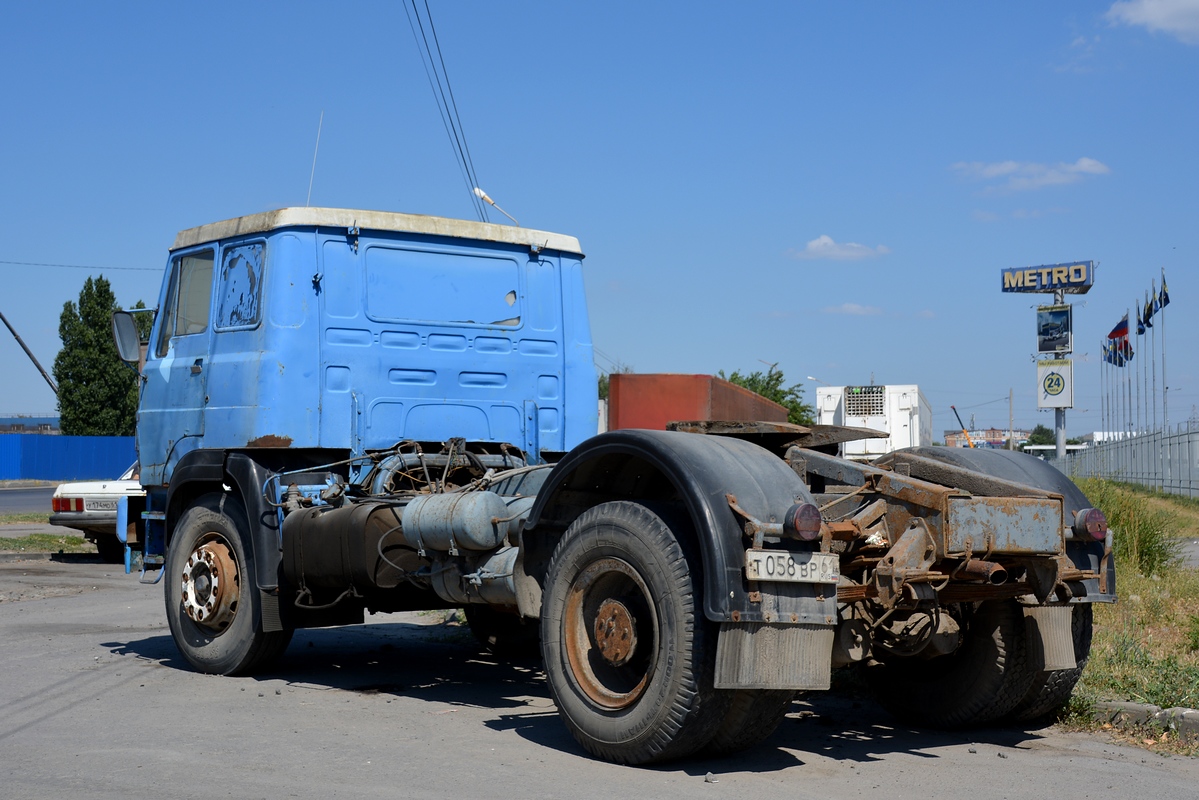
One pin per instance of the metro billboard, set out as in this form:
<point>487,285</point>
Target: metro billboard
<point>1072,277</point>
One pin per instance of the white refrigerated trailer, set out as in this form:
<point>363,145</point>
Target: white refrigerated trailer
<point>900,411</point>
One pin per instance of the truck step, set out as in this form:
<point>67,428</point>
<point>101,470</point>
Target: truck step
<point>154,563</point>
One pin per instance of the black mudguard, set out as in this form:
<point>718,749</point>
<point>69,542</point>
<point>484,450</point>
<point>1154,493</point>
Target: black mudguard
<point>699,472</point>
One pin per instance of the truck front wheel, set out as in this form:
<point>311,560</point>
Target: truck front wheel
<point>210,591</point>
<point>629,657</point>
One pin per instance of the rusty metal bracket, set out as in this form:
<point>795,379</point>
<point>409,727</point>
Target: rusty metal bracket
<point>906,563</point>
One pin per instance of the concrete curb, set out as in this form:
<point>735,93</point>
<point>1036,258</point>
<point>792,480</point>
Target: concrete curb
<point>1182,720</point>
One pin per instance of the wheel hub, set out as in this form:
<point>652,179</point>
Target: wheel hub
<point>210,585</point>
<point>610,633</point>
<point>615,633</point>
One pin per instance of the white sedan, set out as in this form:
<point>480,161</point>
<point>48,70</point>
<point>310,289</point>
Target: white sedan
<point>91,507</point>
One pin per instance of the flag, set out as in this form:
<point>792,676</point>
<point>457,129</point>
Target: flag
<point>1164,297</point>
<point>1140,323</point>
<point>1154,299</point>
<point>1113,353</point>
<point>1121,329</point>
<point>1126,349</point>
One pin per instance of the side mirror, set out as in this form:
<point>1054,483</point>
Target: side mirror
<point>124,333</point>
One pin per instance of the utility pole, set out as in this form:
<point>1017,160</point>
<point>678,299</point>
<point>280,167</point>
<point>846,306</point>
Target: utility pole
<point>1011,437</point>
<point>29,353</point>
<point>1059,414</point>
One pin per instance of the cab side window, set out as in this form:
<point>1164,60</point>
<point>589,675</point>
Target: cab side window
<point>241,287</point>
<point>189,298</point>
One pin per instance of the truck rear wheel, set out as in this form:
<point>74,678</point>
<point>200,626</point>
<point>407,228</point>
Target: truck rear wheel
<point>1051,689</point>
<point>980,682</point>
<point>629,656</point>
<point>753,715</point>
<point>211,594</point>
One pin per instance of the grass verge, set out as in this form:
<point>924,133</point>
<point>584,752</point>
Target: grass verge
<point>1145,537</point>
<point>46,543</point>
<point>16,519</point>
<point>1146,646</point>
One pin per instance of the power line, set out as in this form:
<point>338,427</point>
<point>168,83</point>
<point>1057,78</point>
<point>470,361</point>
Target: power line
<point>445,106</point>
<point>81,266</point>
<point>453,102</point>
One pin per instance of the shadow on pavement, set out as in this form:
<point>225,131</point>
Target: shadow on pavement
<point>442,664</point>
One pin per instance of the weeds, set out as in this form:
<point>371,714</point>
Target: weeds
<point>1142,536</point>
<point>1146,646</point>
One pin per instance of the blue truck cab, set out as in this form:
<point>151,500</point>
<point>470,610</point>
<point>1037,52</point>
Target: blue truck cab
<point>341,331</point>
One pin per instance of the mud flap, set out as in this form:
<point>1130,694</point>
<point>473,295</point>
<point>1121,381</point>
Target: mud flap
<point>1050,639</point>
<point>753,655</point>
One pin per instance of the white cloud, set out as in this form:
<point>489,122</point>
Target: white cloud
<point>985,216</point>
<point>1179,18</point>
<point>823,247</point>
<point>1018,176</point>
<point>853,310</point>
<point>925,314</point>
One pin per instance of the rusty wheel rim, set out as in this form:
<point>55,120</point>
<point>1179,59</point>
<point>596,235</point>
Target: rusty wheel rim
<point>211,584</point>
<point>611,633</point>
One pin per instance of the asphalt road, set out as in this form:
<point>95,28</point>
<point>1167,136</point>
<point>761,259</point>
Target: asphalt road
<point>97,704</point>
<point>26,500</point>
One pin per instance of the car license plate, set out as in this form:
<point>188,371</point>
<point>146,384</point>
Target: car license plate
<point>780,565</point>
<point>99,505</point>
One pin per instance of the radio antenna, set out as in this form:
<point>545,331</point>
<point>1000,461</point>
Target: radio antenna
<point>315,150</point>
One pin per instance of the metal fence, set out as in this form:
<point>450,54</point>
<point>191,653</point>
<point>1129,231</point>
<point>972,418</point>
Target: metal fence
<point>64,458</point>
<point>1167,460</point>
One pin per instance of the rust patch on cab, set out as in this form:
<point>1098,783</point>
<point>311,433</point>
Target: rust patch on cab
<point>270,440</point>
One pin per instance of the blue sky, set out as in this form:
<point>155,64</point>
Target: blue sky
<point>832,187</point>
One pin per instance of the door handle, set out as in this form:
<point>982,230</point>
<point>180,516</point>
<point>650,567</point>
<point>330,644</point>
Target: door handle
<point>198,366</point>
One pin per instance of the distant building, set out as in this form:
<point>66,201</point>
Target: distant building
<point>1049,450</point>
<point>21,423</point>
<point>989,437</point>
<point>1105,436</point>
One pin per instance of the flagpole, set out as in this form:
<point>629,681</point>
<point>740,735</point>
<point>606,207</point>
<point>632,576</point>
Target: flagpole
<point>1165,385</point>
<point>1136,426</point>
<point>1153,351</point>
<point>1103,387</point>
<point>1127,387</point>
<point>1118,390</point>
<point>1128,355</point>
<point>1107,401</point>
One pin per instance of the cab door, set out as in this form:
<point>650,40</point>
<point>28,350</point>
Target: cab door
<point>171,420</point>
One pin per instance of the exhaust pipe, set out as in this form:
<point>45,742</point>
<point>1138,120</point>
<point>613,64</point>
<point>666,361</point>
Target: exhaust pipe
<point>977,570</point>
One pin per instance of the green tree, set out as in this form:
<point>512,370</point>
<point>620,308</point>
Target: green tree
<point>1041,435</point>
<point>770,386</point>
<point>97,392</point>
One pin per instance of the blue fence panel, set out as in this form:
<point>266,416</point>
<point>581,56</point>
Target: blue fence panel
<point>34,456</point>
<point>10,457</point>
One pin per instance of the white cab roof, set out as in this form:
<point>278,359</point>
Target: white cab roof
<point>374,220</point>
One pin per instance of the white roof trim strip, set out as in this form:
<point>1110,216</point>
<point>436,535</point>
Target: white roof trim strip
<point>374,220</point>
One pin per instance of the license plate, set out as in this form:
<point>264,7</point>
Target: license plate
<point>100,505</point>
<point>780,565</point>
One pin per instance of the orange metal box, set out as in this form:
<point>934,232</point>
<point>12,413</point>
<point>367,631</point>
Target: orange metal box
<point>652,400</point>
